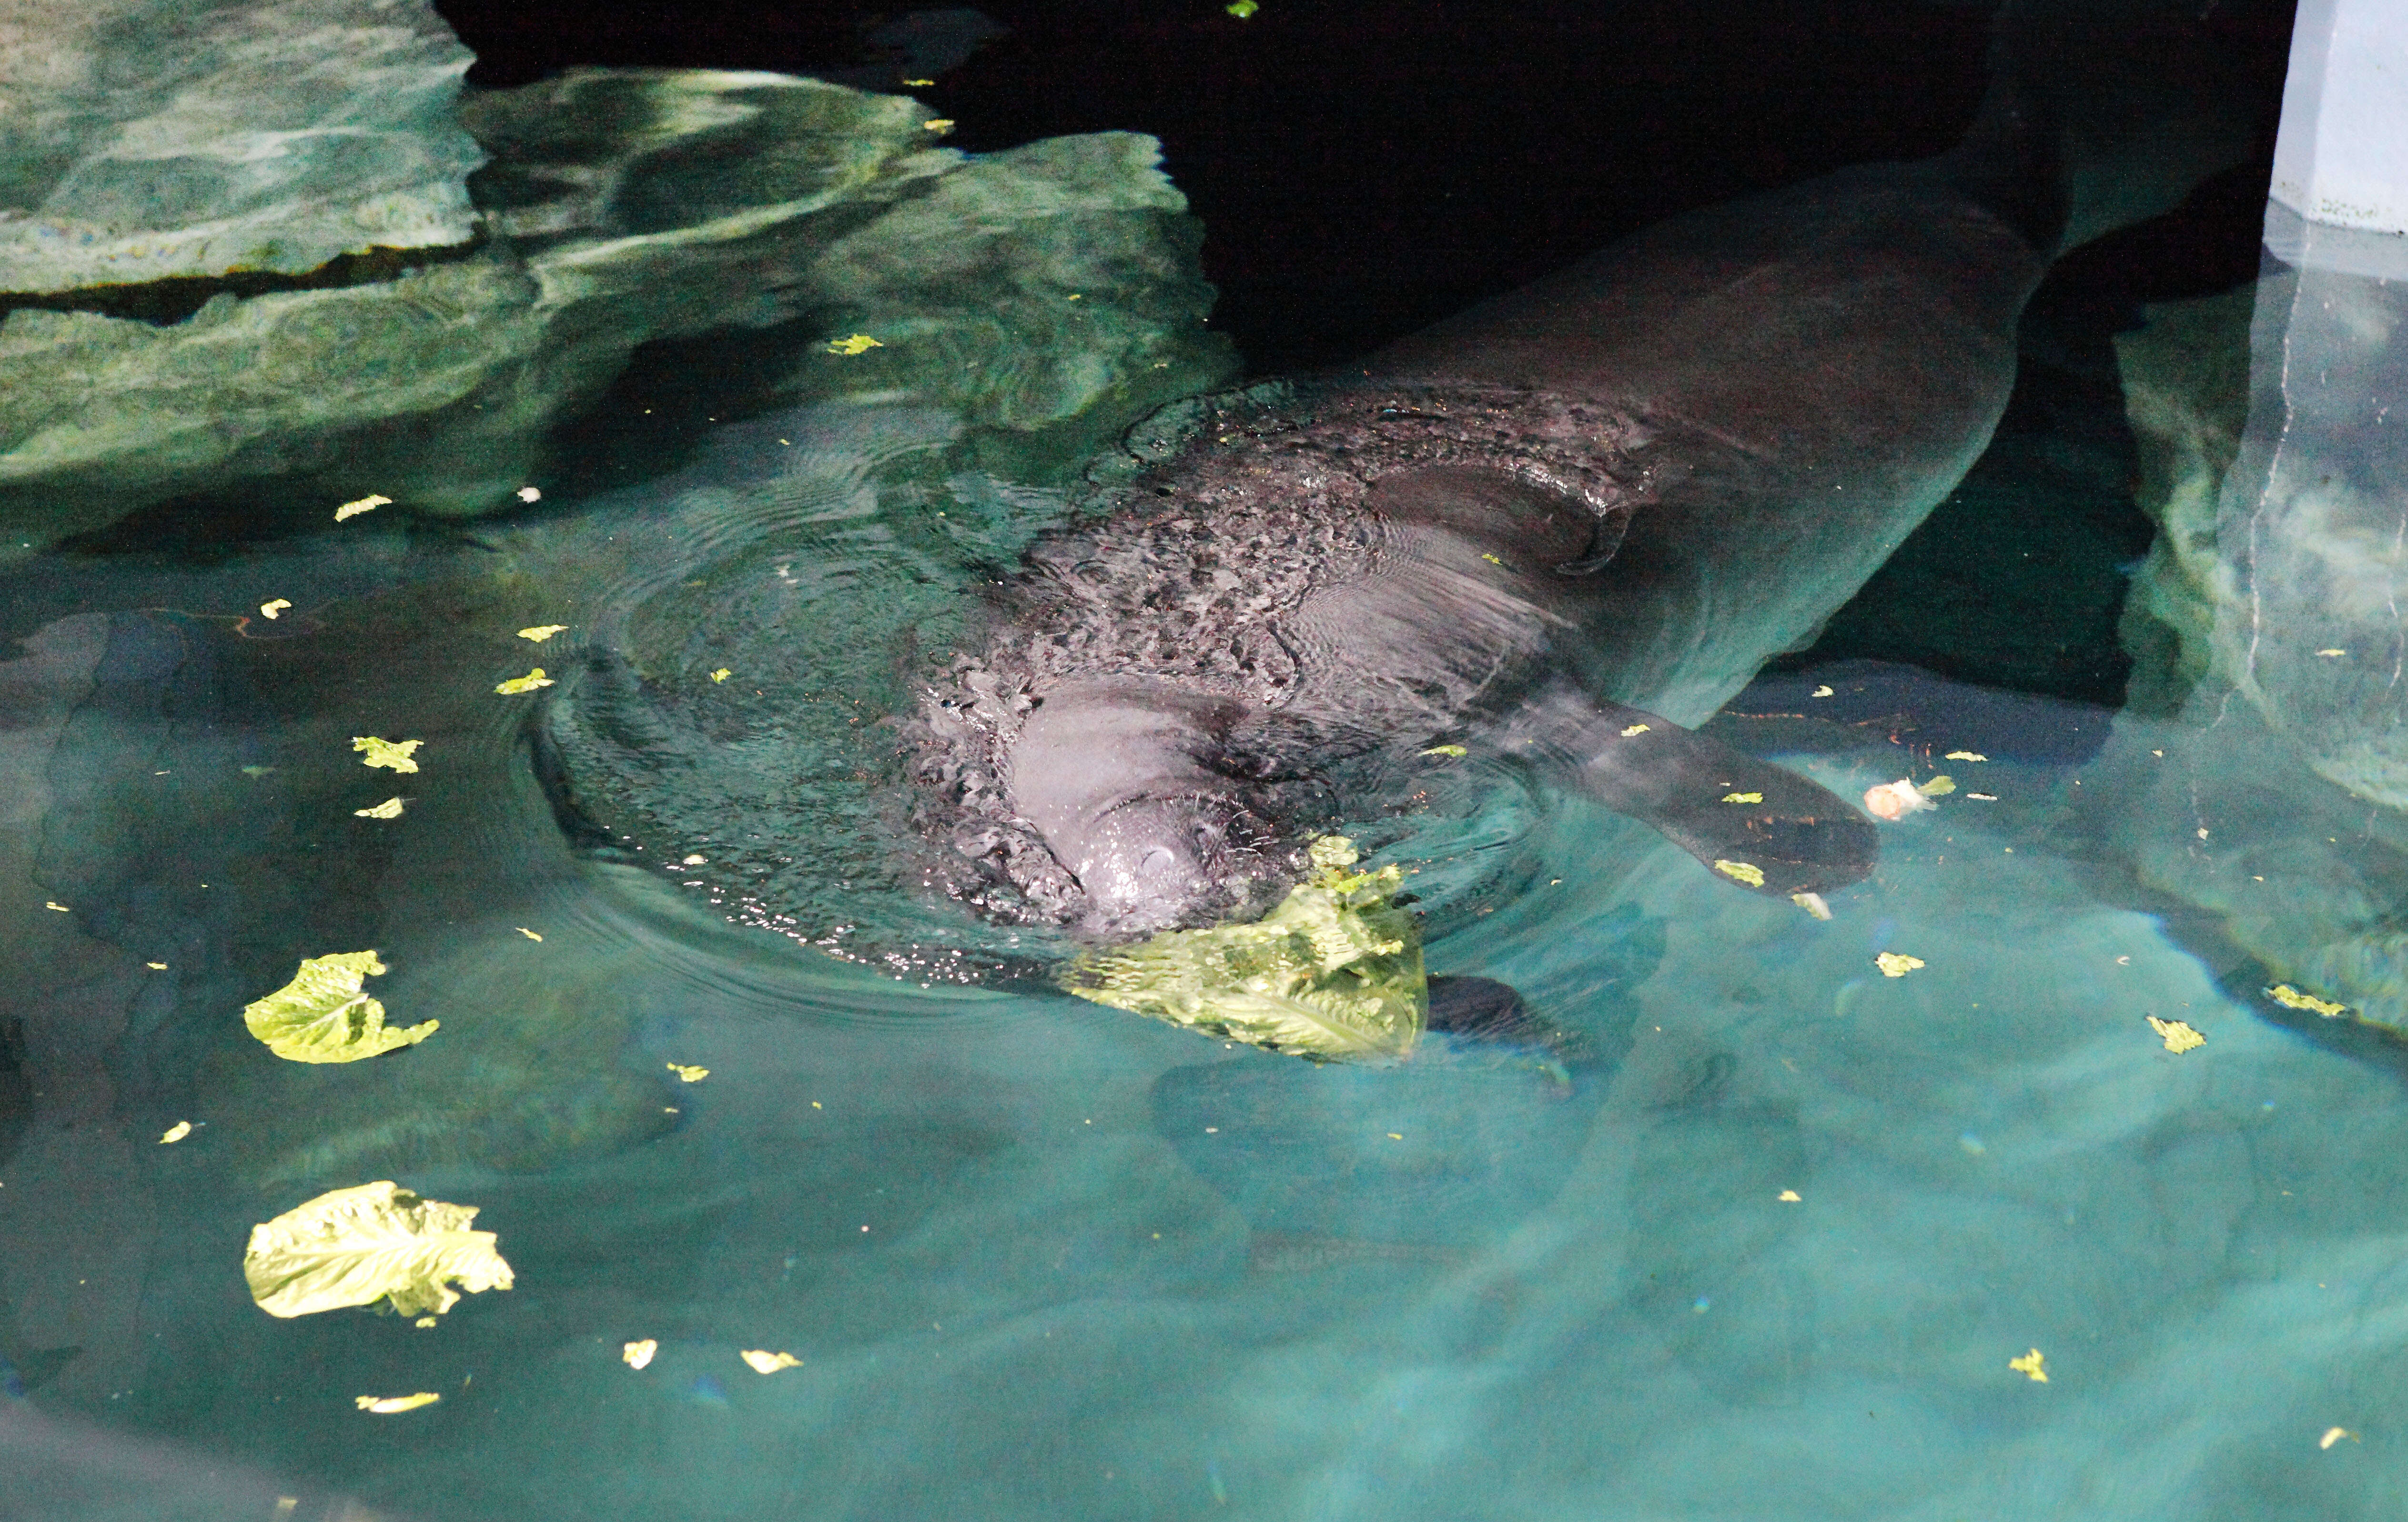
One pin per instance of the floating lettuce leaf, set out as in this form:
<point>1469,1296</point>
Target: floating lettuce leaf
<point>2290,997</point>
<point>395,754</point>
<point>371,1242</point>
<point>1334,971</point>
<point>389,1405</point>
<point>322,1016</point>
<point>763,1361</point>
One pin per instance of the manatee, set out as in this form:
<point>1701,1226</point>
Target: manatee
<point>1561,527</point>
<point>1535,545</point>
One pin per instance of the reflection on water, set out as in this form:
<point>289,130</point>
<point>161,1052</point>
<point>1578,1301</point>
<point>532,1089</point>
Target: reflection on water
<point>1686,1207</point>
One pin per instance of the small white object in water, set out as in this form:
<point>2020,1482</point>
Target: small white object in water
<point>366,504</point>
<point>640,1353</point>
<point>528,493</point>
<point>1896,801</point>
<point>269,610</point>
<point>1812,904</point>
<point>766,1362</point>
<point>392,1405</point>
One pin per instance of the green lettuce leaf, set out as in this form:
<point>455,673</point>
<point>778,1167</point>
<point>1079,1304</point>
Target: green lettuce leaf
<point>1333,972</point>
<point>373,1241</point>
<point>322,1016</point>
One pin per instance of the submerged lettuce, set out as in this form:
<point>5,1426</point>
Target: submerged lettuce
<point>1333,972</point>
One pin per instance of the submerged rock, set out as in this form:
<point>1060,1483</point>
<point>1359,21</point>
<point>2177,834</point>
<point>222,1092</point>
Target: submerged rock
<point>623,207</point>
<point>2185,374</point>
<point>150,139</point>
<point>2268,620</point>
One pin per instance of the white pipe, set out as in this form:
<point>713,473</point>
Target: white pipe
<point>2342,157</point>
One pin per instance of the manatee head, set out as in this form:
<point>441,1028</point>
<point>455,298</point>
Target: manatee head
<point>1119,779</point>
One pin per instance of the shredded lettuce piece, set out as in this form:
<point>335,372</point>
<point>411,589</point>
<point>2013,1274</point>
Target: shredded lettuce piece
<point>1334,972</point>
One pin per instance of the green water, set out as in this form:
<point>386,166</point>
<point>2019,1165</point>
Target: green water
<point>1760,1232</point>
<point>1040,1258</point>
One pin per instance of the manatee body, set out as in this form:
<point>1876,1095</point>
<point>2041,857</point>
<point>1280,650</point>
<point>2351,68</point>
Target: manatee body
<point>1562,525</point>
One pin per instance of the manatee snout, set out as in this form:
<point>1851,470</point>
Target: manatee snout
<point>1154,864</point>
<point>1118,779</point>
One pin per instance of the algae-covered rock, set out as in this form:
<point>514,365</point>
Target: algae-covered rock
<point>2223,812</point>
<point>2185,373</point>
<point>1054,282</point>
<point>2268,620</point>
<point>155,138</point>
<point>2269,463</point>
<point>106,413</point>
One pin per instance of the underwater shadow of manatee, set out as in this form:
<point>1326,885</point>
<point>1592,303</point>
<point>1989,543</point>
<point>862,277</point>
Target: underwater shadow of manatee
<point>1444,1154</point>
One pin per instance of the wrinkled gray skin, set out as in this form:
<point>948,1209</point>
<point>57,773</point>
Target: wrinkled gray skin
<point>1810,372</point>
<point>1784,387</point>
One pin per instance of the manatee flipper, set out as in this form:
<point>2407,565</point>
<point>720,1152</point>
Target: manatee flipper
<point>1752,822</point>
